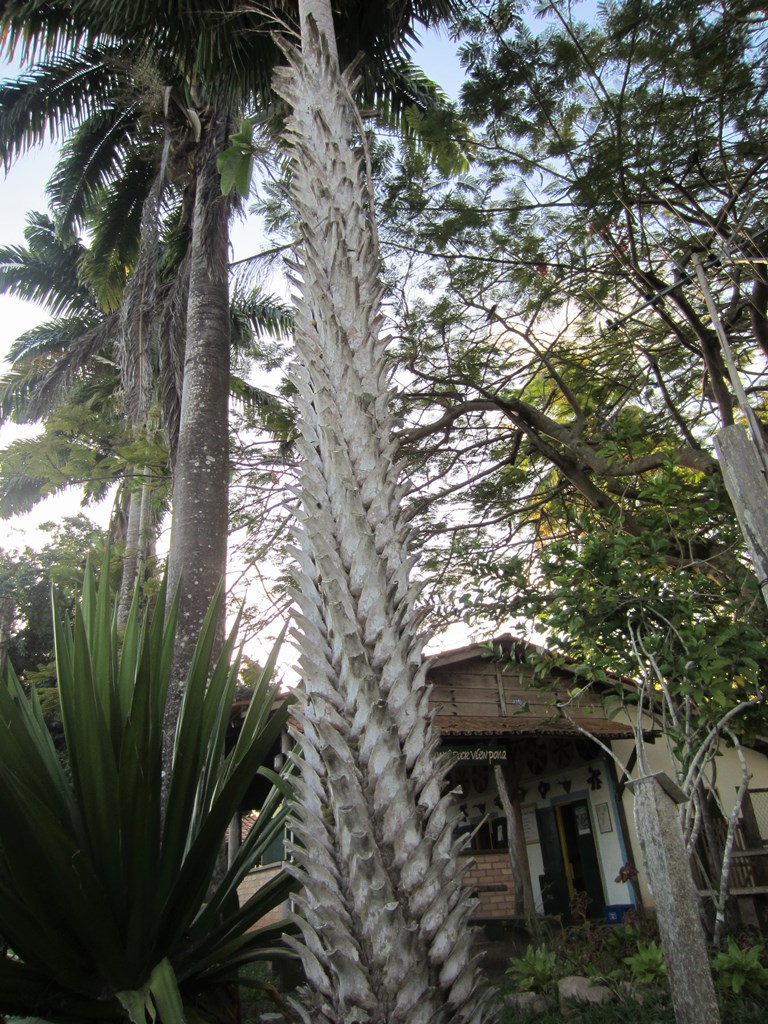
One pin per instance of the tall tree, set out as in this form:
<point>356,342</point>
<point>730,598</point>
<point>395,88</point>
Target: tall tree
<point>384,916</point>
<point>568,361</point>
<point>77,359</point>
<point>211,65</point>
<point>566,382</point>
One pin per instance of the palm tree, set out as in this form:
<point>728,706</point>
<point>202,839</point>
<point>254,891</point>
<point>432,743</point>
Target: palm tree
<point>66,361</point>
<point>384,915</point>
<point>72,359</point>
<point>102,61</point>
<point>119,88</point>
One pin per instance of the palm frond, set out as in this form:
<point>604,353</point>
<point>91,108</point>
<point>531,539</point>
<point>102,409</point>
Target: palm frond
<point>49,361</point>
<point>260,316</point>
<point>46,270</point>
<point>92,158</point>
<point>52,99</point>
<point>175,233</point>
<point>115,225</point>
<point>33,31</point>
<point>272,414</point>
<point>139,314</point>
<point>172,335</point>
<point>406,100</point>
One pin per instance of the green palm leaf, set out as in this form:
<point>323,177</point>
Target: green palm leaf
<point>46,270</point>
<point>53,98</point>
<point>93,156</point>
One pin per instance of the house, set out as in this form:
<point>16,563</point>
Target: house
<point>572,813</point>
<point>568,824</point>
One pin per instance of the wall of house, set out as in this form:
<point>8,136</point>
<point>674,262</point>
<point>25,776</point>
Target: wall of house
<point>558,771</point>
<point>575,781</point>
<point>491,878</point>
<point>478,688</point>
<point>724,775</point>
<point>253,881</point>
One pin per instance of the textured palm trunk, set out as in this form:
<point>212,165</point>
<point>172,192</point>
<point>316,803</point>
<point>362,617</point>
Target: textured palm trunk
<point>198,552</point>
<point>384,914</point>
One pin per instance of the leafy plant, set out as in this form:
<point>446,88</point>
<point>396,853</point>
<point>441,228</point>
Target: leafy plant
<point>108,904</point>
<point>535,971</point>
<point>647,964</point>
<point>741,970</point>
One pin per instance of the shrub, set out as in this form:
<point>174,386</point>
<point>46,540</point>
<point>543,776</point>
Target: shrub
<point>740,970</point>
<point>535,971</point>
<point>647,964</point>
<point>109,905</point>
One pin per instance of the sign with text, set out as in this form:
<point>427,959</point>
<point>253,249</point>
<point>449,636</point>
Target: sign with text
<point>478,755</point>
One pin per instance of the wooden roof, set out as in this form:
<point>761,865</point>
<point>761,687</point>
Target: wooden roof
<point>475,696</point>
<point>525,725</point>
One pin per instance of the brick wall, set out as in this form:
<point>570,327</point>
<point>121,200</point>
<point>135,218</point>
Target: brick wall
<point>491,878</point>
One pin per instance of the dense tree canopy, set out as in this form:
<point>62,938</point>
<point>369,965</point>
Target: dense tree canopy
<point>563,367</point>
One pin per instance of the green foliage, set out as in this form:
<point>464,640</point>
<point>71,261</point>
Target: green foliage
<point>442,136</point>
<point>26,577</point>
<point>235,163</point>
<point>647,964</point>
<point>603,951</point>
<point>546,389</point>
<point>741,971</point>
<point>536,971</point>
<point>106,900</point>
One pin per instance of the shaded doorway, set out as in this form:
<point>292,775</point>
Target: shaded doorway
<point>571,883</point>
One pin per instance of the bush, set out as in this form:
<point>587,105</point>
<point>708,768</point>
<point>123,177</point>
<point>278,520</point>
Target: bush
<point>740,971</point>
<point>536,971</point>
<point>647,964</point>
<point>110,906</point>
<point>613,952</point>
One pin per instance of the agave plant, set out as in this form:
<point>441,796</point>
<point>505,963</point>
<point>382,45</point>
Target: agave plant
<point>110,904</point>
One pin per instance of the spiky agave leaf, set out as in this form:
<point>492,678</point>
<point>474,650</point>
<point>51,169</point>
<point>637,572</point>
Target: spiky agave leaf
<point>103,901</point>
<point>384,927</point>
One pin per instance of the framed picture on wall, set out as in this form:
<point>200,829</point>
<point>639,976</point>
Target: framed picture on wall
<point>603,815</point>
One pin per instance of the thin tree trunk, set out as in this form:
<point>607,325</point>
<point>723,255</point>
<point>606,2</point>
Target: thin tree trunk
<point>724,897</point>
<point>7,612</point>
<point>384,914</point>
<point>198,551</point>
<point>137,541</point>
<point>130,557</point>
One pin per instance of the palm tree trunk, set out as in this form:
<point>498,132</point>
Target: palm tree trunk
<point>384,915</point>
<point>198,551</point>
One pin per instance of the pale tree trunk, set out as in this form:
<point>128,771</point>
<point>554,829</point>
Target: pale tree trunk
<point>198,551</point>
<point>384,916</point>
<point>657,823</point>
<point>130,556</point>
<point>138,540</point>
<point>138,322</point>
<point>525,905</point>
